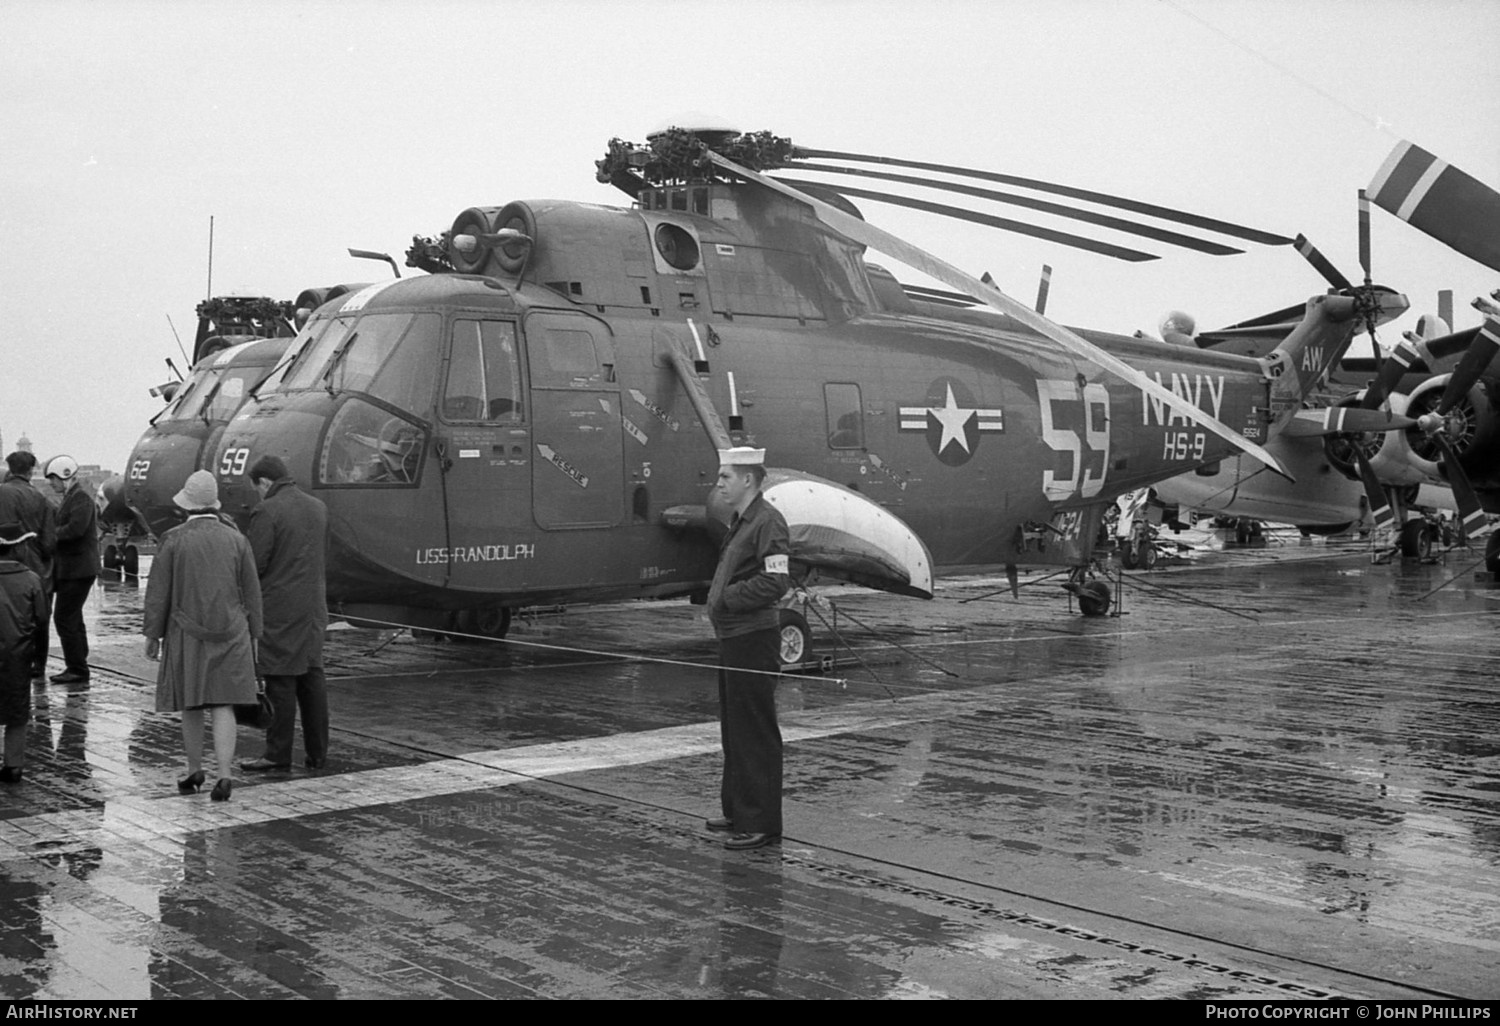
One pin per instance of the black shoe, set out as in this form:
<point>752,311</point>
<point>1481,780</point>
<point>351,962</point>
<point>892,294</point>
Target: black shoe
<point>721,825</point>
<point>10,775</point>
<point>221,790</point>
<point>265,766</point>
<point>191,784</point>
<point>70,677</point>
<point>742,842</point>
<point>315,764</point>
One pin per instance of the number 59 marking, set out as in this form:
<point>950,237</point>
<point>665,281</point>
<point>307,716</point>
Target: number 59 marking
<point>232,463</point>
<point>1094,399</point>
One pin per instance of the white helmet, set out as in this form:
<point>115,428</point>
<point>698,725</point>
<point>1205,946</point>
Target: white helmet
<point>64,467</point>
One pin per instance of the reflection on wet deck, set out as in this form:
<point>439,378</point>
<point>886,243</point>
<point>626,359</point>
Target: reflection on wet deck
<point>1303,800</point>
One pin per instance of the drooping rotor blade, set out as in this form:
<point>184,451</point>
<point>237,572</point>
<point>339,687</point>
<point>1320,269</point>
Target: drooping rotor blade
<point>1435,197</point>
<point>1032,203</point>
<point>1445,306</point>
<point>1470,513</point>
<point>1149,209</point>
<point>1341,420</point>
<point>1321,263</point>
<point>1042,289</point>
<point>1019,227</point>
<point>883,241</point>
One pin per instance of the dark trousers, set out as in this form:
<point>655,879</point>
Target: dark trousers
<point>41,638</point>
<point>751,790</point>
<point>309,692</point>
<point>68,599</point>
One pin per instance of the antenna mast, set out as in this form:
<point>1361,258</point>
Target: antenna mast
<point>210,294</point>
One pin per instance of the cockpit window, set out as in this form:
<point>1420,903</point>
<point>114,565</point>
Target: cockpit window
<point>484,382</point>
<point>368,446</point>
<point>307,367</point>
<point>409,371</point>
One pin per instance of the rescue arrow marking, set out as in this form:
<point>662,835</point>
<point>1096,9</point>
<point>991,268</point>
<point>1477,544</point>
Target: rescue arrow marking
<point>551,456</point>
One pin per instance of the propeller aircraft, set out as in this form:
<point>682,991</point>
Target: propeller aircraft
<point>536,420</point>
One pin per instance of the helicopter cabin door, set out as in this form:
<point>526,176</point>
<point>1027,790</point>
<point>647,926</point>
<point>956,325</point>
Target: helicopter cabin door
<point>578,457</point>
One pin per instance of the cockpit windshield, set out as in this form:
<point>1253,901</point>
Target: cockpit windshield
<point>390,355</point>
<point>218,394</point>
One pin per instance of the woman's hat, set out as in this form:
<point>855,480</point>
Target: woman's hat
<point>14,534</point>
<point>200,491</point>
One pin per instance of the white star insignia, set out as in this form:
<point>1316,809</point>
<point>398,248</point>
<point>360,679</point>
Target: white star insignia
<point>953,419</point>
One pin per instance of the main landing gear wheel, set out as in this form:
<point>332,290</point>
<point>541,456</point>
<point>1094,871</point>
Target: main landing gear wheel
<point>1416,539</point>
<point>487,622</point>
<point>1093,598</point>
<point>1146,557</point>
<point>796,638</point>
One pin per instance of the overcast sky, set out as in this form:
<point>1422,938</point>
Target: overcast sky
<point>304,128</point>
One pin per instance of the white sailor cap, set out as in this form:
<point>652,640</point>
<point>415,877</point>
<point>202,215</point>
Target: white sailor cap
<point>742,456</point>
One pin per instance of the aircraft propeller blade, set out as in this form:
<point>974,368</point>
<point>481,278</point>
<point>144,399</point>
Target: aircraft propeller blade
<point>1380,502</point>
<point>1339,420</point>
<point>990,220</point>
<point>1104,199</point>
<point>1470,513</point>
<point>1322,264</point>
<point>1364,234</point>
<point>1481,351</point>
<point>1043,287</point>
<point>1435,197</point>
<point>1032,203</point>
<point>1398,363</point>
<point>883,241</point>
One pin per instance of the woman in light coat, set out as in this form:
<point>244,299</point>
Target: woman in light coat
<point>203,617</point>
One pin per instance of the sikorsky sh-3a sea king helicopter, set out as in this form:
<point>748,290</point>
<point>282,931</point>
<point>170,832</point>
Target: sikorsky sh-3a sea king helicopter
<point>536,420</point>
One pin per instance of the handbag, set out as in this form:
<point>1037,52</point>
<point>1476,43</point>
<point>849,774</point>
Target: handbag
<point>258,714</point>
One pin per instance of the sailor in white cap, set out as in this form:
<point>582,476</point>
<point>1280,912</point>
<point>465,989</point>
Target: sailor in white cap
<point>743,602</point>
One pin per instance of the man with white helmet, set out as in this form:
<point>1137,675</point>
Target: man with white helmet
<point>74,566</point>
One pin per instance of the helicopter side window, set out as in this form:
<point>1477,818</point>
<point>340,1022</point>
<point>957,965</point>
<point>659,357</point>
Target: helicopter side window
<point>369,446</point>
<point>846,422</point>
<point>484,380</point>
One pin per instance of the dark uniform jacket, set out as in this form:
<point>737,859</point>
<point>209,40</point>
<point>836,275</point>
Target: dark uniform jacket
<point>77,536</point>
<point>289,533</point>
<point>752,574</point>
<point>21,503</point>
<point>22,607</point>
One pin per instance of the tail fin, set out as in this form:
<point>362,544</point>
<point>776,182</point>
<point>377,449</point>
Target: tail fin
<point>1329,324</point>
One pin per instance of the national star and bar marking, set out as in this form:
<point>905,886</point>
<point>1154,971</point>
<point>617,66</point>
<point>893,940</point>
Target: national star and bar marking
<point>954,421</point>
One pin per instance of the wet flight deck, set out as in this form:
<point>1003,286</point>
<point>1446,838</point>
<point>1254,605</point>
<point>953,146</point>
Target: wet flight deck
<point>1276,776</point>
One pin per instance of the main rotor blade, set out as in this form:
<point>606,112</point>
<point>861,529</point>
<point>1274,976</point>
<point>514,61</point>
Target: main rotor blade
<point>1149,209</point>
<point>1321,263</point>
<point>1005,223</point>
<point>1032,203</point>
<point>1435,197</point>
<point>885,242</point>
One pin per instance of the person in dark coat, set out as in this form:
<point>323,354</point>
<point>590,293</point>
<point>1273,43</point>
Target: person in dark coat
<point>22,504</point>
<point>743,603</point>
<point>21,605</point>
<point>74,567</point>
<point>203,614</point>
<point>289,533</point>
